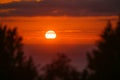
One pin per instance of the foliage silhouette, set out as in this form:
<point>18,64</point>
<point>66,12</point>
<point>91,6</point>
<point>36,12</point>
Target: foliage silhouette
<point>13,64</point>
<point>60,69</point>
<point>105,60</point>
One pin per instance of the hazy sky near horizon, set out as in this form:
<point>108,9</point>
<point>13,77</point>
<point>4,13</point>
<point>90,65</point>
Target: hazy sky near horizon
<point>69,30</point>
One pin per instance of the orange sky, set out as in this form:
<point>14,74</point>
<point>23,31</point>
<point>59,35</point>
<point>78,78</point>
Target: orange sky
<point>69,30</point>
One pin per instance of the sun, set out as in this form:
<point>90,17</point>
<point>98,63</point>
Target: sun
<point>50,34</point>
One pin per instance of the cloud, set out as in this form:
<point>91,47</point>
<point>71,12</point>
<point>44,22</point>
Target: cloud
<point>60,8</point>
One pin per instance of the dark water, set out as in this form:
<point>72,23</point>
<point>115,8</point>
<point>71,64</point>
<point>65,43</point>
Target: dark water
<point>43,54</point>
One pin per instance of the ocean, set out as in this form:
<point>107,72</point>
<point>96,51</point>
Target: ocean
<point>44,53</point>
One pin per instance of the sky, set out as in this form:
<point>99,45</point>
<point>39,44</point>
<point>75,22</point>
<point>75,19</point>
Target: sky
<point>74,21</point>
<point>59,7</point>
<point>69,30</point>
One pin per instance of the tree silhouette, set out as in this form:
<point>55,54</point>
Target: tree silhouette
<point>13,64</point>
<point>105,60</point>
<point>60,69</point>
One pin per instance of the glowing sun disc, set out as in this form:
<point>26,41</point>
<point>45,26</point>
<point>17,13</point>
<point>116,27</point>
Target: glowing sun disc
<point>50,34</point>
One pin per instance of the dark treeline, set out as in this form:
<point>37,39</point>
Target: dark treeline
<point>103,61</point>
<point>13,64</point>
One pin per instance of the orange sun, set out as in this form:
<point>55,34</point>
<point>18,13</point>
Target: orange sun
<point>50,34</point>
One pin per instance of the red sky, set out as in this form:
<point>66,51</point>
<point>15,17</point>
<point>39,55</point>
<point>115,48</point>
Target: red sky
<point>69,30</point>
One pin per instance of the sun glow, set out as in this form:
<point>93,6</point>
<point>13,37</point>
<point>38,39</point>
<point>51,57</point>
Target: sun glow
<point>50,34</point>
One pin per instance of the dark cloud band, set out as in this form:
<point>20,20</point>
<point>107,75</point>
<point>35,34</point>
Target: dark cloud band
<point>61,8</point>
